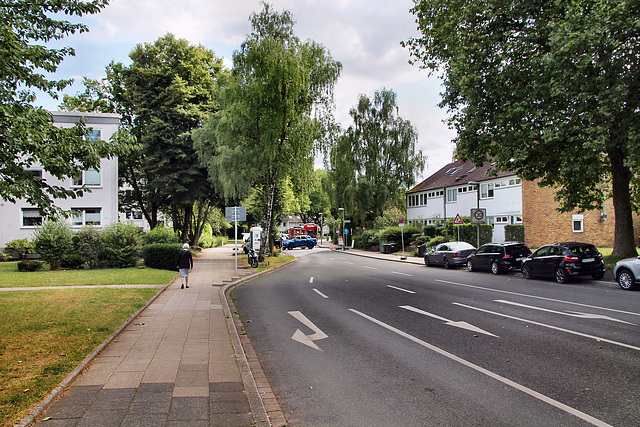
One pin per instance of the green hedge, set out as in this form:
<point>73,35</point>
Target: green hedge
<point>162,256</point>
<point>514,232</point>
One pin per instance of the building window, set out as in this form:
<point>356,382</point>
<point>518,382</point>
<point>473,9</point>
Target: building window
<point>86,216</point>
<point>94,135</point>
<point>486,191</point>
<point>501,220</point>
<point>452,195</point>
<point>90,178</point>
<point>36,174</point>
<point>31,217</point>
<point>516,220</point>
<point>578,223</point>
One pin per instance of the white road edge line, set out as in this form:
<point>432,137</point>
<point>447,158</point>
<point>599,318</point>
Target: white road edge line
<point>593,337</point>
<point>400,289</point>
<point>320,293</point>
<point>537,297</point>
<point>530,392</point>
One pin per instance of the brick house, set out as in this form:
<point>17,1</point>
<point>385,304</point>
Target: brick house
<point>508,200</point>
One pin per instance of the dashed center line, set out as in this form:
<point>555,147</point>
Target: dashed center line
<point>400,289</point>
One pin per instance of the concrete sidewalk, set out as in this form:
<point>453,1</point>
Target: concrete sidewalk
<point>181,362</point>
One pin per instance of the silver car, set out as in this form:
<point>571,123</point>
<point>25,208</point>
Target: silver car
<point>450,254</point>
<point>627,273</point>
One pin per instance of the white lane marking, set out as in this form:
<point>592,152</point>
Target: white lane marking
<point>370,268</point>
<point>550,327</point>
<point>565,313</point>
<point>311,279</point>
<point>400,289</point>
<point>347,262</point>
<point>320,293</point>
<point>402,274</point>
<point>537,297</point>
<point>459,324</point>
<point>486,372</point>
<point>301,337</point>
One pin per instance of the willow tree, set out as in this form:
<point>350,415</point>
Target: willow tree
<point>376,159</point>
<point>272,114</point>
<point>546,89</point>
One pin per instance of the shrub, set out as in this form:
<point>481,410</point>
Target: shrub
<point>121,245</point>
<point>87,244</point>
<point>52,241</point>
<point>206,238</point>
<point>161,235</point>
<point>514,232</point>
<point>19,248</point>
<point>432,230</point>
<point>394,235</point>
<point>368,239</point>
<point>436,241</point>
<point>72,261</point>
<point>162,256</point>
<point>30,265</point>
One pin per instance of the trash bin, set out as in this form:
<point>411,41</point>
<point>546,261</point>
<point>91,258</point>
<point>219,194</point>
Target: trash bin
<point>389,248</point>
<point>422,249</point>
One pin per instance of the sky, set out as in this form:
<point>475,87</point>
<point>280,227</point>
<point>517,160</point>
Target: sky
<point>364,35</point>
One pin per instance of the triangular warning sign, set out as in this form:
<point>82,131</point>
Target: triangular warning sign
<point>458,220</point>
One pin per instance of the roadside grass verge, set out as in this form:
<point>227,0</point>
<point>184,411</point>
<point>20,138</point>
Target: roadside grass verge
<point>268,263</point>
<point>45,334</point>
<point>10,277</point>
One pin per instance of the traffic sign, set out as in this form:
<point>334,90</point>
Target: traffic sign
<point>235,213</point>
<point>478,216</point>
<point>458,220</point>
<point>401,220</point>
<point>346,231</point>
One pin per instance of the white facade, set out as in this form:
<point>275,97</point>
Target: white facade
<point>96,208</point>
<point>434,204</point>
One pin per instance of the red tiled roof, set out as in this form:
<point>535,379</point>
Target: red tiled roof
<point>458,173</point>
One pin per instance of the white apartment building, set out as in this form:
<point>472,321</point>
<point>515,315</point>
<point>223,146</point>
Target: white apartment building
<point>97,208</point>
<point>459,187</point>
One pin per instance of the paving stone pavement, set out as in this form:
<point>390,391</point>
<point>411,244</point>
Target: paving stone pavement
<point>181,362</point>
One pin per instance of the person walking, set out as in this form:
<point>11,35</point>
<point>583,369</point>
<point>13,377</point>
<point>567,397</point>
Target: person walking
<point>185,264</point>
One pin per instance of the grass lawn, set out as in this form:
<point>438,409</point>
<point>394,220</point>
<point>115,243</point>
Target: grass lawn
<point>10,277</point>
<point>45,334</point>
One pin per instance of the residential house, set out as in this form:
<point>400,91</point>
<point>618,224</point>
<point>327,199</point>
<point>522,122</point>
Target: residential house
<point>459,187</point>
<point>96,208</point>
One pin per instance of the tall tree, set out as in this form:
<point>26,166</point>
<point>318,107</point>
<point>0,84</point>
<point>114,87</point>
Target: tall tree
<point>164,94</point>
<point>271,114</point>
<point>376,159</point>
<point>27,133</point>
<point>546,89</point>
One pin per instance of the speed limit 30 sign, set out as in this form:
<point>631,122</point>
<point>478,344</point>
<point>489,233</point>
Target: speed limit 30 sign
<point>478,216</point>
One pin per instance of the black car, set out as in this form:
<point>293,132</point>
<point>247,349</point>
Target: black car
<point>498,257</point>
<point>562,261</point>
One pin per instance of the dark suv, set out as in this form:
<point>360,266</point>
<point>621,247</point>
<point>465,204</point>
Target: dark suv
<point>562,261</point>
<point>498,257</point>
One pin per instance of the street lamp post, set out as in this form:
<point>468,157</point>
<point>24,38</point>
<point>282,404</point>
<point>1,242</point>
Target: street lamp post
<point>477,184</point>
<point>343,236</point>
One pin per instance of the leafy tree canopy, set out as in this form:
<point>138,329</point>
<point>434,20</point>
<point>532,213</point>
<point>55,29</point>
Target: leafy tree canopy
<point>28,134</point>
<point>546,89</point>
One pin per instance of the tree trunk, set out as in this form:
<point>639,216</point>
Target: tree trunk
<point>624,239</point>
<point>268,215</point>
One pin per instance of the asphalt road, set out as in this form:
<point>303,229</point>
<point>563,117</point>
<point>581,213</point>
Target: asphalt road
<point>346,340</point>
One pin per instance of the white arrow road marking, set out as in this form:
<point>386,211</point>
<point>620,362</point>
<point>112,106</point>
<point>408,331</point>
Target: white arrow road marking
<point>462,325</point>
<point>320,293</point>
<point>490,374</point>
<point>299,336</point>
<point>544,325</point>
<point>570,313</point>
<point>400,289</point>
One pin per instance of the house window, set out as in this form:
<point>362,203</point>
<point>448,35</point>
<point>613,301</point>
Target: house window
<point>452,195</point>
<point>86,216</point>
<point>578,223</point>
<point>31,217</point>
<point>486,191</point>
<point>36,174</point>
<point>90,178</point>
<point>516,220</point>
<point>501,220</point>
<point>94,135</point>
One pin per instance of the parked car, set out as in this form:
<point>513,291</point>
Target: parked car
<point>565,260</point>
<point>450,254</point>
<point>498,257</point>
<point>627,273</point>
<point>300,242</point>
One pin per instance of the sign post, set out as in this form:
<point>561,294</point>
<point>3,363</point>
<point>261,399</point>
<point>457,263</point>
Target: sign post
<point>458,221</point>
<point>478,216</point>
<point>401,224</point>
<point>235,214</point>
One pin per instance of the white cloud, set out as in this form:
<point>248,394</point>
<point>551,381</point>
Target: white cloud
<point>364,35</point>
